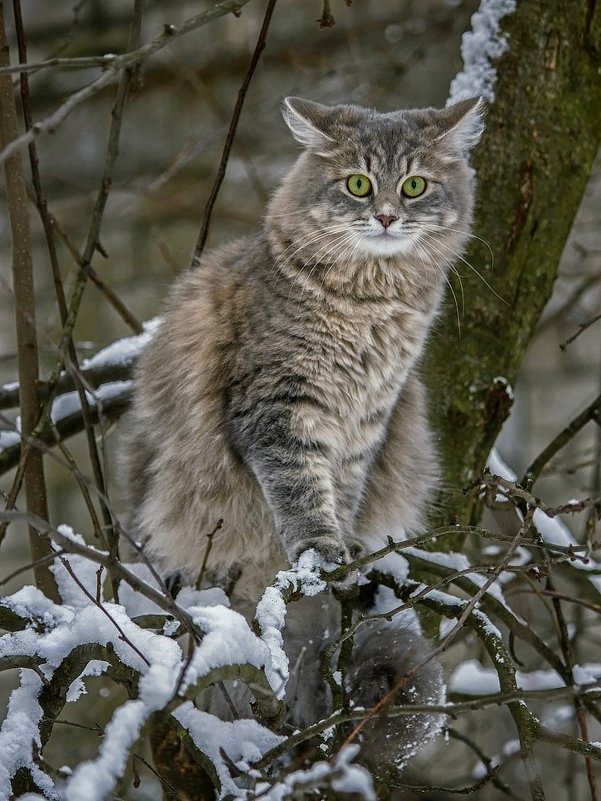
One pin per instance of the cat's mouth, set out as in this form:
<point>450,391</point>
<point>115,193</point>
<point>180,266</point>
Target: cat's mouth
<point>387,242</point>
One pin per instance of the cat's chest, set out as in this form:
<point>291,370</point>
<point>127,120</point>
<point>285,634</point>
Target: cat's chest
<point>356,372</point>
<point>365,358</point>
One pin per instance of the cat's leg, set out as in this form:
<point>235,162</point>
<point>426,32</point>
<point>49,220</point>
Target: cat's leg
<point>295,474</point>
<point>351,478</point>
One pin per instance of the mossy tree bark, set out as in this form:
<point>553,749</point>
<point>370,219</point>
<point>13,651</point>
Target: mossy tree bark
<point>543,132</point>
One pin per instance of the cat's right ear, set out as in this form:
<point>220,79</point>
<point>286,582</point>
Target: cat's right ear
<point>307,121</point>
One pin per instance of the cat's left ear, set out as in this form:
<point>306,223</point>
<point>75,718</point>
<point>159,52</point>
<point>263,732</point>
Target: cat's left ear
<point>462,125</point>
<point>308,122</point>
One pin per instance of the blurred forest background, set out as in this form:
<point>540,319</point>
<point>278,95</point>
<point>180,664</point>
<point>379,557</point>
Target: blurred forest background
<point>378,53</point>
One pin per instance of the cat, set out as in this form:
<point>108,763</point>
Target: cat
<point>281,393</point>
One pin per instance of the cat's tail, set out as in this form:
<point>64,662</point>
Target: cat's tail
<point>393,666</point>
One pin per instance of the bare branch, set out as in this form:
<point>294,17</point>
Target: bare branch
<point>112,66</point>
<point>229,140</point>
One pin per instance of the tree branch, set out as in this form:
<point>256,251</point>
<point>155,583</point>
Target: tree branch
<point>229,140</point>
<point>113,65</point>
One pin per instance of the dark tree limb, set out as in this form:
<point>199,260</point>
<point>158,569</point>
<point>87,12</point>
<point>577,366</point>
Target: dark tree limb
<point>112,66</point>
<point>110,409</point>
<point>592,412</point>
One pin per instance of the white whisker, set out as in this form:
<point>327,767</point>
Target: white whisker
<point>329,247</point>
<point>422,249</point>
<point>468,234</point>
<point>306,240</point>
<point>354,240</point>
<point>290,213</point>
<point>459,256</point>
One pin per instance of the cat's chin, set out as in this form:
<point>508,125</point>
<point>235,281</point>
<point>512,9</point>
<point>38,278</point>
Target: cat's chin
<point>385,245</point>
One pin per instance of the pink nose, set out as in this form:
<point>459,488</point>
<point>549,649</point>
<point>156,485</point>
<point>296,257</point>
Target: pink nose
<point>386,219</point>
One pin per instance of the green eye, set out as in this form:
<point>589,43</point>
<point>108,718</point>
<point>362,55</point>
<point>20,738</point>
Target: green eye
<point>414,186</point>
<point>358,185</point>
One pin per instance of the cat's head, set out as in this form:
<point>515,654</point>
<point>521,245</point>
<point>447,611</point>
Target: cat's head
<point>384,185</point>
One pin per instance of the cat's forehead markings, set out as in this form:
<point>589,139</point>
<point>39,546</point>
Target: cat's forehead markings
<point>365,163</point>
<point>411,166</point>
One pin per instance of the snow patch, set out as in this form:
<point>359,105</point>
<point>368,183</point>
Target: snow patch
<point>240,739</point>
<point>69,403</point>
<point>479,47</point>
<point>341,776</point>
<point>123,351</point>
<point>471,678</point>
<point>85,571</point>
<point>303,577</point>
<point>18,735</point>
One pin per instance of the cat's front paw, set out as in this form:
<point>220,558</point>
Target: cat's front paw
<point>328,549</point>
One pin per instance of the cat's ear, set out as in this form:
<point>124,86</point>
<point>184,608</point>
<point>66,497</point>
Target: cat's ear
<point>462,125</point>
<point>308,122</point>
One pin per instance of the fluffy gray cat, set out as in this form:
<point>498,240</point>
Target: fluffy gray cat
<point>280,392</point>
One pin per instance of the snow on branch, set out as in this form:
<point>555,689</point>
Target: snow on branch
<point>303,579</point>
<point>107,377</point>
<point>136,643</point>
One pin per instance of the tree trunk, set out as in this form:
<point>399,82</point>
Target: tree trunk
<point>543,132</point>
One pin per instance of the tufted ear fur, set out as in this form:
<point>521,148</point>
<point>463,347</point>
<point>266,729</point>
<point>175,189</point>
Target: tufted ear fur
<point>462,125</point>
<point>308,122</point>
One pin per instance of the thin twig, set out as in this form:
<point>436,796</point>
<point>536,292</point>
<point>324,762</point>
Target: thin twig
<point>568,656</point>
<point>45,560</point>
<point>229,140</point>
<point>77,292</point>
<point>469,607</point>
<point>581,327</point>
<point>490,777</point>
<point>162,600</point>
<point>74,62</point>
<point>591,412</point>
<point>111,296</point>
<point>59,291</point>
<point>451,709</point>
<point>162,779</point>
<point>208,548</point>
<point>122,636</point>
<point>486,761</point>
